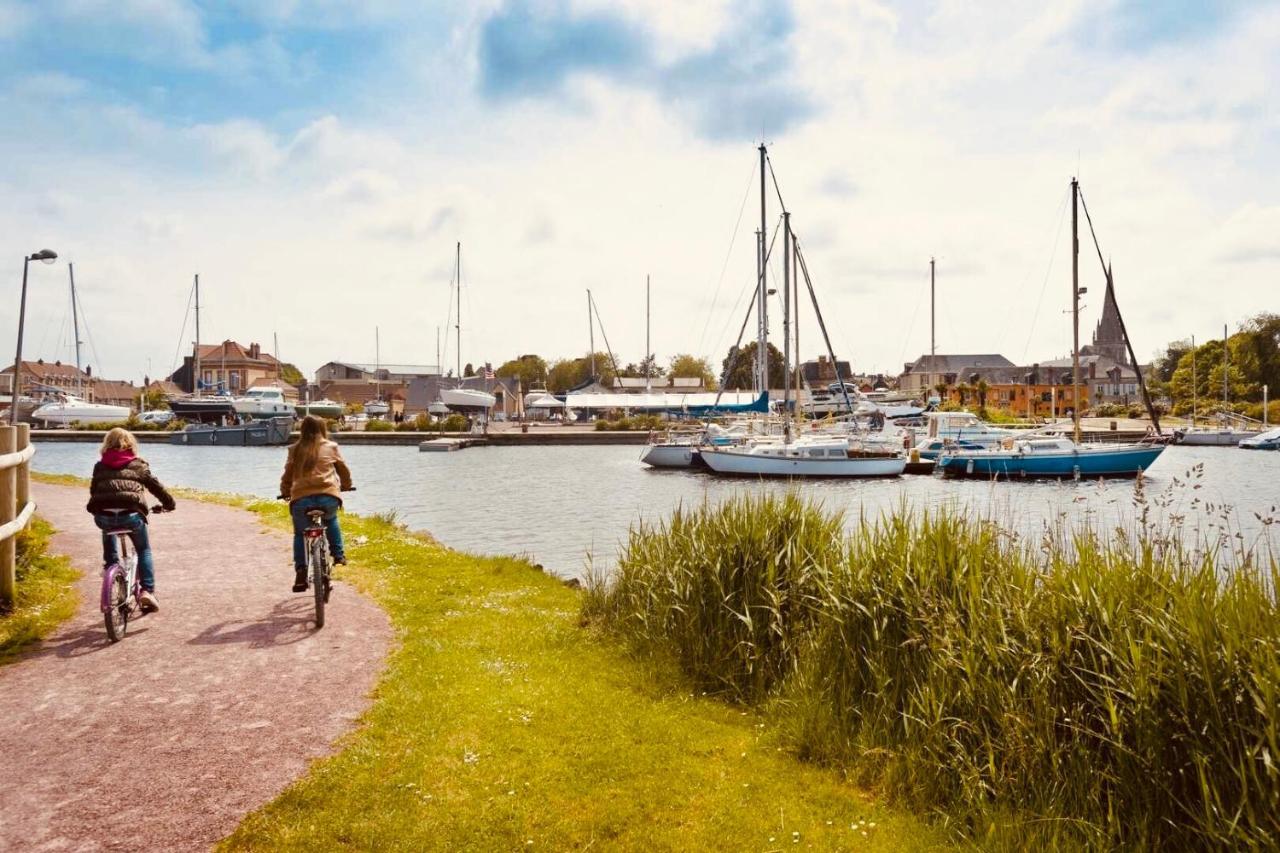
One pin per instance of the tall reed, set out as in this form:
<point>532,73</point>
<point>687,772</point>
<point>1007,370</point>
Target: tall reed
<point>1084,688</point>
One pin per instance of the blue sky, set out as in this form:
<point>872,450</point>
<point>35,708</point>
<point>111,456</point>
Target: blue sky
<point>339,149</point>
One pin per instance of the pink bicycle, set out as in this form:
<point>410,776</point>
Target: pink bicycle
<point>121,585</point>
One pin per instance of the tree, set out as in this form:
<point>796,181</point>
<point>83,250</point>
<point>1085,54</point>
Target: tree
<point>291,375</point>
<point>571,372</point>
<point>152,398</point>
<point>468,371</point>
<point>531,370</point>
<point>740,372</point>
<point>982,388</point>
<point>685,366</point>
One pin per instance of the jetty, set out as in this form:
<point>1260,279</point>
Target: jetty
<point>444,445</point>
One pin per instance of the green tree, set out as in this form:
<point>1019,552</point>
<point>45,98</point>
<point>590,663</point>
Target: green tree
<point>150,399</point>
<point>468,371</point>
<point>531,370</point>
<point>740,371</point>
<point>291,375</point>
<point>570,372</point>
<point>686,366</point>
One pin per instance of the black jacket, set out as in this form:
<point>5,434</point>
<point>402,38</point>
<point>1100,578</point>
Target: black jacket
<point>125,488</point>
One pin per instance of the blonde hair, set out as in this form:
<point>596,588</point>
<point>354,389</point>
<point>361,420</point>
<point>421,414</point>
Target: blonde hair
<point>119,438</point>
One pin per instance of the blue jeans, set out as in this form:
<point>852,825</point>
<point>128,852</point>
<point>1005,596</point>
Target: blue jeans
<point>298,509</point>
<point>137,527</point>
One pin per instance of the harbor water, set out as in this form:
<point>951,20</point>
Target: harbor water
<point>561,506</point>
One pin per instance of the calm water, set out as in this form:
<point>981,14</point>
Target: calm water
<point>557,504</point>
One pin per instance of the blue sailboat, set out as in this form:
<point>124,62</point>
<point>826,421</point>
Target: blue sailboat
<point>1017,458</point>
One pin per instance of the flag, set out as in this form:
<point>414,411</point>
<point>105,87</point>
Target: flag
<point>488,371</point>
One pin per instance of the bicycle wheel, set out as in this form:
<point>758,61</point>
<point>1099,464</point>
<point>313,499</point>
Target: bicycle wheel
<point>319,559</point>
<point>116,616</point>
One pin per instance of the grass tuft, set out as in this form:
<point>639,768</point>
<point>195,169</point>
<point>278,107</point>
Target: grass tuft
<point>1083,689</point>
<point>46,594</point>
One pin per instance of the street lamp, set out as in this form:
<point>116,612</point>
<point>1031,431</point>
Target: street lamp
<point>48,256</point>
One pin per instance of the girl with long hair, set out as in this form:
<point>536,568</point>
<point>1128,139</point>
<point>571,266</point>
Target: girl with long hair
<point>315,475</point>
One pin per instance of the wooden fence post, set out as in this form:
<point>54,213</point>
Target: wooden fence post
<point>8,511</point>
<point>23,490</point>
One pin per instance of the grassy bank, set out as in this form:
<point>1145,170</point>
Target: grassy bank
<point>500,723</point>
<point>46,594</point>
<point>1079,690</point>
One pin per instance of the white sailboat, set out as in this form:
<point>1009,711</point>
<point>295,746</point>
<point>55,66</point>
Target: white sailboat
<point>69,408</point>
<point>1231,429</point>
<point>377,407</point>
<point>461,399</point>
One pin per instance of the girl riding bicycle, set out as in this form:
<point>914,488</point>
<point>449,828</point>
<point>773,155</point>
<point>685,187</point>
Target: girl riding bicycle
<point>121,480</point>
<point>314,477</point>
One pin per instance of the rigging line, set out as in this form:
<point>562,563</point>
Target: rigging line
<point>448,319</point>
<point>734,354</point>
<point>1092,233</point>
<point>1053,254</point>
<point>733,239</point>
<point>186,315</point>
<point>605,335</point>
<point>911,328</point>
<point>88,333</point>
<point>754,278</point>
<point>776,189</point>
<point>822,326</point>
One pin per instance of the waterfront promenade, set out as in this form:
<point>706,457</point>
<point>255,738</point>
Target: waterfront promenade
<point>205,711</point>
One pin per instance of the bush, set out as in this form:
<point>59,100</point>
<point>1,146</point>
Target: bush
<point>455,423</point>
<point>379,426</point>
<point>1073,691</point>
<point>420,422</point>
<point>640,423</point>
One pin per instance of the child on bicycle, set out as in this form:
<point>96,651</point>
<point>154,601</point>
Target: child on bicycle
<point>314,477</point>
<point>121,480</point>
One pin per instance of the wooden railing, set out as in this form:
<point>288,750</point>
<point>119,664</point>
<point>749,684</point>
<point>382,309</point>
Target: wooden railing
<point>16,506</point>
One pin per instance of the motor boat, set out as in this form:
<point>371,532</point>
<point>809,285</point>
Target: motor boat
<point>1269,440</point>
<point>68,409</point>
<point>263,402</point>
<point>1225,436</point>
<point>377,408</point>
<point>212,409</point>
<point>963,429</point>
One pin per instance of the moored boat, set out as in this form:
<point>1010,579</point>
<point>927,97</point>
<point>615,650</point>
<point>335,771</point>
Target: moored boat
<point>1050,457</point>
<point>263,402</point>
<point>69,409</point>
<point>1269,440</point>
<point>327,409</point>
<point>808,457</point>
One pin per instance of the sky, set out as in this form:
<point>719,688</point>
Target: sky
<point>316,162</point>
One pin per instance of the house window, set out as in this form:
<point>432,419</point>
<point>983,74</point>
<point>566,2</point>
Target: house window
<point>235,379</point>
<point>207,379</point>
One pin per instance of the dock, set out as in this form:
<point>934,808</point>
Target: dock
<point>445,445</point>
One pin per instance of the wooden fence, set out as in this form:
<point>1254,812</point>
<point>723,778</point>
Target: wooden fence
<point>16,506</point>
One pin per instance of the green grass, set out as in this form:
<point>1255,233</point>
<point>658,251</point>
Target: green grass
<point>46,594</point>
<point>1082,689</point>
<point>502,723</point>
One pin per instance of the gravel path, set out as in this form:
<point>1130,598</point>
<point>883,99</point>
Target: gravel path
<point>205,711</point>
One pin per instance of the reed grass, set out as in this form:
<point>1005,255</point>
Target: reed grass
<point>1083,688</point>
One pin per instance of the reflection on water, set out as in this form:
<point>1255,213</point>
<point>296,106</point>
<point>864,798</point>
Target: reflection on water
<point>557,504</point>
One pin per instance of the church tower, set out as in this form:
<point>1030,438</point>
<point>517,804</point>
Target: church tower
<point>1108,336</point>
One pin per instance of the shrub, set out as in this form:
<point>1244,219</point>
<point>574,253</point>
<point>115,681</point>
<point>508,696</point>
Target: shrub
<point>379,426</point>
<point>1074,691</point>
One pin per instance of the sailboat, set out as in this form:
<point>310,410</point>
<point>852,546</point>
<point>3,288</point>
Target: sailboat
<point>377,407</point>
<point>1043,456</point>
<point>461,399</point>
<point>1232,429</point>
<point>196,406</point>
<point>66,409</point>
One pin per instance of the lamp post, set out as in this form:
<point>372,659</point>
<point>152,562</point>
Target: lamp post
<point>48,256</point>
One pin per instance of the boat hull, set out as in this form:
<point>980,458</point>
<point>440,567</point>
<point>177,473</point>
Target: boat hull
<point>259,409</point>
<point>670,455</point>
<point>1082,462</point>
<point>467,400</point>
<point>69,413</point>
<point>202,408</point>
<point>1214,438</point>
<point>328,411</point>
<point>746,464</point>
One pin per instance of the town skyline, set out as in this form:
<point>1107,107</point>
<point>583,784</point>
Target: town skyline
<point>316,171</point>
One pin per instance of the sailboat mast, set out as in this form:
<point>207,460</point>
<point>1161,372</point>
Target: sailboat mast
<point>795,321</point>
<point>933,325</point>
<point>458,328</point>
<point>762,312</point>
<point>786,320</point>
<point>591,337</point>
<point>195,380</point>
<point>1226,357</point>
<point>377,361</point>
<point>75,326</point>
<point>275,350</point>
<point>1194,395</point>
<point>1075,309</point>
<point>648,368</point>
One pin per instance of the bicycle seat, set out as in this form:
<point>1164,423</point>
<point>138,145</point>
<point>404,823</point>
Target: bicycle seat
<point>315,514</point>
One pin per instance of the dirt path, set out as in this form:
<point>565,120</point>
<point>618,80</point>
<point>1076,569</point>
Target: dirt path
<point>205,710</point>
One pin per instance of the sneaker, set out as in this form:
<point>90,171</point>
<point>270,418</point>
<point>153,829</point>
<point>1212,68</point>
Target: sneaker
<point>148,601</point>
<point>339,561</point>
<point>299,580</point>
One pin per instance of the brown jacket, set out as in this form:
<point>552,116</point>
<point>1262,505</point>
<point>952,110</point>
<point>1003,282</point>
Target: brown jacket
<point>121,481</point>
<point>329,476</point>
